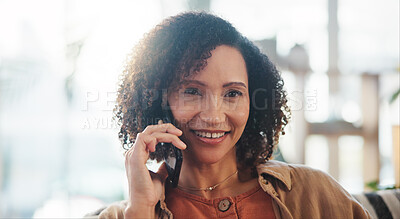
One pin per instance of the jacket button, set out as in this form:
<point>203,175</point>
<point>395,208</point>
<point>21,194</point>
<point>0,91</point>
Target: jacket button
<point>224,205</point>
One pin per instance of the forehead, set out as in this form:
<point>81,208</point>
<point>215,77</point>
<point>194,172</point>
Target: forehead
<point>226,64</point>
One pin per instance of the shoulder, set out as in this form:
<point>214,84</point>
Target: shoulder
<point>295,175</point>
<point>316,184</point>
<point>301,178</point>
<point>307,176</point>
<point>309,191</point>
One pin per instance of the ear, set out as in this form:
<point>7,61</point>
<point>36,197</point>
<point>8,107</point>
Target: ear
<point>164,100</point>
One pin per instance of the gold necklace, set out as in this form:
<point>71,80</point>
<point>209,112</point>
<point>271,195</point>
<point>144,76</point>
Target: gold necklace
<point>207,189</point>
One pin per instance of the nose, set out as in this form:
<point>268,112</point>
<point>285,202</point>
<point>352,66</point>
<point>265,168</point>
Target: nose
<point>212,111</point>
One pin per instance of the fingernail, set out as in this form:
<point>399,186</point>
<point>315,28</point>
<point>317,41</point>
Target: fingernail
<point>183,144</point>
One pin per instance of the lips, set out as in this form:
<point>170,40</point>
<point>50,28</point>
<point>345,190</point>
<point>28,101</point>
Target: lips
<point>205,134</point>
<point>210,136</point>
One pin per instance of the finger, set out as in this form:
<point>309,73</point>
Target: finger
<point>165,127</point>
<point>145,142</point>
<point>169,138</point>
<point>139,153</point>
<point>150,142</point>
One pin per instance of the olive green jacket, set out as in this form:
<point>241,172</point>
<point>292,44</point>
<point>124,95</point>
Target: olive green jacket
<point>297,191</point>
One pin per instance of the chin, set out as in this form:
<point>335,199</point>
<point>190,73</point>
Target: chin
<point>210,156</point>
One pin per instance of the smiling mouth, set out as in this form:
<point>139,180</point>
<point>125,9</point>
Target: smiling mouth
<point>210,135</point>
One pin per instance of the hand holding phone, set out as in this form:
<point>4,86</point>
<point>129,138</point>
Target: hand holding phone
<point>145,187</point>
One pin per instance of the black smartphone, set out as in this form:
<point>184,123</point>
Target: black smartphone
<point>174,162</point>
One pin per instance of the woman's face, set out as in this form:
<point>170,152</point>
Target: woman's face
<point>211,107</point>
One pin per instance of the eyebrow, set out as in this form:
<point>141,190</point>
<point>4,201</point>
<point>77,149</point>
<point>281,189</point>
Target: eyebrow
<point>204,85</point>
<point>235,83</point>
<point>194,82</point>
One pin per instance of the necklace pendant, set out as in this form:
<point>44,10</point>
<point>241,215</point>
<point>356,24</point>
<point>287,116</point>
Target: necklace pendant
<point>208,189</point>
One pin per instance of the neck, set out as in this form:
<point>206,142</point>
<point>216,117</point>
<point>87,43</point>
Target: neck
<point>195,174</point>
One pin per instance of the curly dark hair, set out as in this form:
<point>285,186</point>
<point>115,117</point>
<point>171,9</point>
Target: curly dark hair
<point>178,47</point>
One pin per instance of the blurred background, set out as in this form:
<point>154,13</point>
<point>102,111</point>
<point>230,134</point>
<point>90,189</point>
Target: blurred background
<point>60,61</point>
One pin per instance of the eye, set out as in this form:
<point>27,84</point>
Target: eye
<point>192,91</point>
<point>233,93</point>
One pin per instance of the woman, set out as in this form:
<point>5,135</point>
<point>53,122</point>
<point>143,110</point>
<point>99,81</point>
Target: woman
<point>227,108</point>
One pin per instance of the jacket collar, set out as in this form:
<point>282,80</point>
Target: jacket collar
<point>278,170</point>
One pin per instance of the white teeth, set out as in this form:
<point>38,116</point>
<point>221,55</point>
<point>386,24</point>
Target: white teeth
<point>209,134</point>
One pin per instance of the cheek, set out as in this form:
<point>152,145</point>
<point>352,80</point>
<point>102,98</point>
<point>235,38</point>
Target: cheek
<point>181,109</point>
<point>176,108</point>
<point>182,116</point>
<point>240,114</point>
<point>243,112</point>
